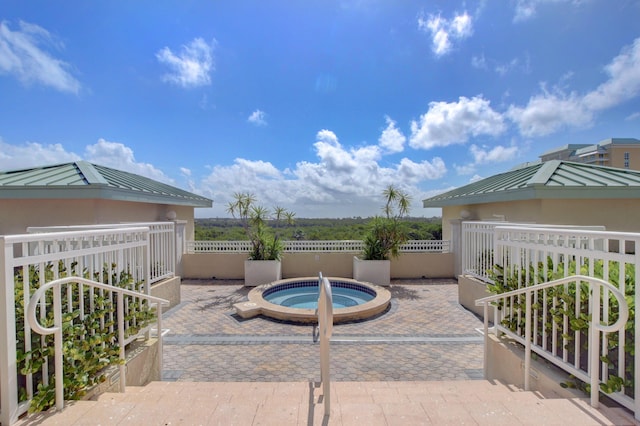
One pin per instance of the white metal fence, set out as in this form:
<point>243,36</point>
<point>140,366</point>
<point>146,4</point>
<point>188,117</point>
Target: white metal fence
<point>521,317</point>
<point>162,244</point>
<point>27,262</point>
<point>478,251</point>
<point>527,255</point>
<point>436,246</point>
<point>123,322</point>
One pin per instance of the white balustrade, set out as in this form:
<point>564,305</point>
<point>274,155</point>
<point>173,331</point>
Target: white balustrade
<point>111,256</point>
<point>162,243</point>
<point>354,246</point>
<point>531,255</point>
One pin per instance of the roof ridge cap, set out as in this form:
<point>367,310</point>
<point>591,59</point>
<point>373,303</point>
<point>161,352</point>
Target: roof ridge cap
<point>90,173</point>
<point>546,170</point>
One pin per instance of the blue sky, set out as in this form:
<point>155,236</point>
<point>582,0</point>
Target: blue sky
<point>315,106</point>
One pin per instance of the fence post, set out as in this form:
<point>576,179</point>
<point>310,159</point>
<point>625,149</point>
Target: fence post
<point>8,365</point>
<point>180,244</point>
<point>456,246</point>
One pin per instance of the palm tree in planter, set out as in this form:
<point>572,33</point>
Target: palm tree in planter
<point>383,239</point>
<point>263,265</point>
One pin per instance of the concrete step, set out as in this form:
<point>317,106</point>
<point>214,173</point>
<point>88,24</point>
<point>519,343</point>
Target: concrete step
<point>473,402</point>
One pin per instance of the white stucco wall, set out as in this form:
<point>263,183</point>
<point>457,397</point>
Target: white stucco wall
<point>16,215</point>
<point>614,214</point>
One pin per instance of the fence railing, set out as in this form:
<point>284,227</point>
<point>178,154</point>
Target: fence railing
<point>162,244</point>
<point>478,251</point>
<point>526,321</point>
<point>528,256</point>
<point>436,246</point>
<point>122,321</point>
<point>117,257</point>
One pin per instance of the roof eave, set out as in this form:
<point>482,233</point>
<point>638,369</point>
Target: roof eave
<point>539,192</point>
<point>98,192</point>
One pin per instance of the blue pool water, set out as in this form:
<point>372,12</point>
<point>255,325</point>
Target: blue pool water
<point>306,296</point>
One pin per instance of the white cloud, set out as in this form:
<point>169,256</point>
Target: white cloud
<point>191,67</point>
<point>109,154</point>
<point>410,171</point>
<point>551,111</point>
<point>505,68</point>
<point>479,62</point>
<point>475,178</point>
<point>392,140</point>
<point>465,169</point>
<point>344,181</point>
<point>23,54</point>
<point>444,32</point>
<point>452,123</point>
<point>497,154</point>
<point>119,156</point>
<point>623,83</point>
<point>634,116</point>
<point>336,158</point>
<point>486,155</point>
<point>32,154</point>
<point>258,117</point>
<point>527,9</point>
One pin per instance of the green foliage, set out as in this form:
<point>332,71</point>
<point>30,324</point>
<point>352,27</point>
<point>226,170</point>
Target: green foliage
<point>386,234</point>
<point>572,301</point>
<point>90,340</point>
<point>308,229</point>
<point>265,243</point>
<point>384,238</point>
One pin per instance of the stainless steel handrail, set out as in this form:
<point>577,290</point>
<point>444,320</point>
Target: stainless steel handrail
<point>325,324</point>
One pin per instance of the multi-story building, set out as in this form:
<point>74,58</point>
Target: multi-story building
<point>613,152</point>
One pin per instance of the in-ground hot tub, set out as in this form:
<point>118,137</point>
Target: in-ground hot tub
<point>296,300</point>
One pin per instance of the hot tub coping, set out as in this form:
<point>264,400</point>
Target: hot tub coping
<point>257,305</point>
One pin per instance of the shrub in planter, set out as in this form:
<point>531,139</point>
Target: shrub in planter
<point>387,233</point>
<point>265,242</point>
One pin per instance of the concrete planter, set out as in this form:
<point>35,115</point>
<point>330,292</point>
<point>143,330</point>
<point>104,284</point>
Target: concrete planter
<point>376,272</point>
<point>257,272</point>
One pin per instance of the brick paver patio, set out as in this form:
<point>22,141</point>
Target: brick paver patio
<point>425,335</point>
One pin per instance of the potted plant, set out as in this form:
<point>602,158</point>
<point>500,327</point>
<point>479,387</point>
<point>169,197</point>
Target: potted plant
<point>383,239</point>
<point>264,263</point>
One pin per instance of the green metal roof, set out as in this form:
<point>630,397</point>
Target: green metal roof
<point>552,179</point>
<point>83,180</point>
<point>568,147</point>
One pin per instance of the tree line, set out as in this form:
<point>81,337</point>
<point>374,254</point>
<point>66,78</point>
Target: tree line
<point>227,229</point>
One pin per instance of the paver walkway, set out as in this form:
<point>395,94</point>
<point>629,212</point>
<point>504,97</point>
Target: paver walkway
<point>477,402</point>
<point>425,335</point>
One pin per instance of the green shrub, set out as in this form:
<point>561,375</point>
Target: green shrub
<point>563,300</point>
<point>90,342</point>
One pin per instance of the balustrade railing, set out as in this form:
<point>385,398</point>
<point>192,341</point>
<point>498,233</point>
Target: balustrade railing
<point>525,256</point>
<point>162,243</point>
<point>530,315</point>
<point>116,257</point>
<point>478,247</point>
<point>435,246</point>
<point>122,319</point>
